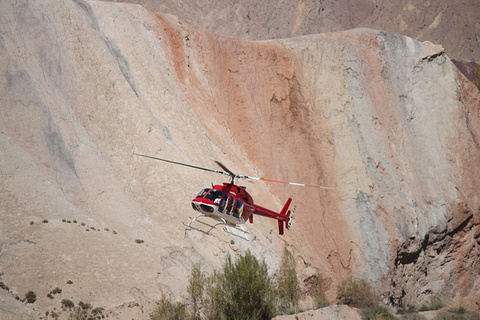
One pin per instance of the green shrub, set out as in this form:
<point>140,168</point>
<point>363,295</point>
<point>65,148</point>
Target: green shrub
<point>377,313</point>
<point>30,297</point>
<point>77,314</point>
<point>56,291</point>
<point>213,297</point>
<point>288,285</point>
<point>4,286</point>
<point>168,310</point>
<point>248,290</point>
<point>98,312</point>
<point>319,297</point>
<point>241,290</point>
<point>84,306</point>
<point>85,311</point>
<point>68,304</point>
<point>196,284</point>
<point>356,293</point>
<point>434,303</point>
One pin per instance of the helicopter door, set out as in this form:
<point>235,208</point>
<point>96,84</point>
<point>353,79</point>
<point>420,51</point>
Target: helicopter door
<point>229,207</point>
<point>224,203</point>
<point>237,212</point>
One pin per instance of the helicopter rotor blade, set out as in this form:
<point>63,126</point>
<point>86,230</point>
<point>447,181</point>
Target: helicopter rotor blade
<point>269,180</point>
<point>184,164</point>
<point>232,175</point>
<point>288,182</point>
<point>226,169</point>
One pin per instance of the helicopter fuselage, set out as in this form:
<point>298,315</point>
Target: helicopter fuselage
<point>229,202</point>
<point>233,204</point>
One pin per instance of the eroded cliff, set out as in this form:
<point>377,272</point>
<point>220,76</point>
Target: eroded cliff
<point>387,121</point>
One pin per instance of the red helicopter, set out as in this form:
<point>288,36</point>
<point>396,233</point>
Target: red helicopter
<point>231,204</point>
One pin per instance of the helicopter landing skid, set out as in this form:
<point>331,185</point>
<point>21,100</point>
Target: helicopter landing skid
<point>196,219</point>
<point>242,230</point>
<point>227,228</point>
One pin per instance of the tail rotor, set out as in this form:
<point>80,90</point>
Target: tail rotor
<point>290,218</point>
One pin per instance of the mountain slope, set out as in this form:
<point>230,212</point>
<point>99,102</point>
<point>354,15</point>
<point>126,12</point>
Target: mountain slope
<point>387,121</point>
<point>453,24</point>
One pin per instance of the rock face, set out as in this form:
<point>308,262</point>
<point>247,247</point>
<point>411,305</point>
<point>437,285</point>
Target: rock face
<point>394,163</point>
<point>455,25</point>
<point>385,120</point>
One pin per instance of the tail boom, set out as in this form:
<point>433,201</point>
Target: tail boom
<point>283,218</point>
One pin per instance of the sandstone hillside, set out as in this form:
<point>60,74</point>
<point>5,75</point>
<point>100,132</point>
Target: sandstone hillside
<point>453,24</point>
<point>387,121</point>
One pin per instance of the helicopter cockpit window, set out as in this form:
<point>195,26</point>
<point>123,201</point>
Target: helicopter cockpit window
<point>237,212</point>
<point>202,193</point>
<point>215,195</point>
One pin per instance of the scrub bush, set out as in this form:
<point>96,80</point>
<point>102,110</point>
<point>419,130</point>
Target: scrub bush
<point>30,297</point>
<point>168,310</point>
<point>288,285</point>
<point>248,291</point>
<point>356,293</point>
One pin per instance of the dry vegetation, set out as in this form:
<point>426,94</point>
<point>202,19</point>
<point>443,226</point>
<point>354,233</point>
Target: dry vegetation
<point>242,289</point>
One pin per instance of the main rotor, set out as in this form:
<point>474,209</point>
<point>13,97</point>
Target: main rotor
<point>227,172</point>
<point>231,174</point>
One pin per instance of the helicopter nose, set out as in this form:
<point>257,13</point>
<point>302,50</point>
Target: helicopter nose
<point>206,208</point>
<point>202,207</point>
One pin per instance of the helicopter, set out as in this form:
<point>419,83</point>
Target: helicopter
<point>231,205</point>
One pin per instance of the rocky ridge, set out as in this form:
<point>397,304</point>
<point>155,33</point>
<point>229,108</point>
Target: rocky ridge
<point>388,121</point>
<point>454,25</point>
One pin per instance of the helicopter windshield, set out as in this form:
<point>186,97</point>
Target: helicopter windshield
<point>227,203</point>
<point>202,192</point>
<point>214,195</point>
